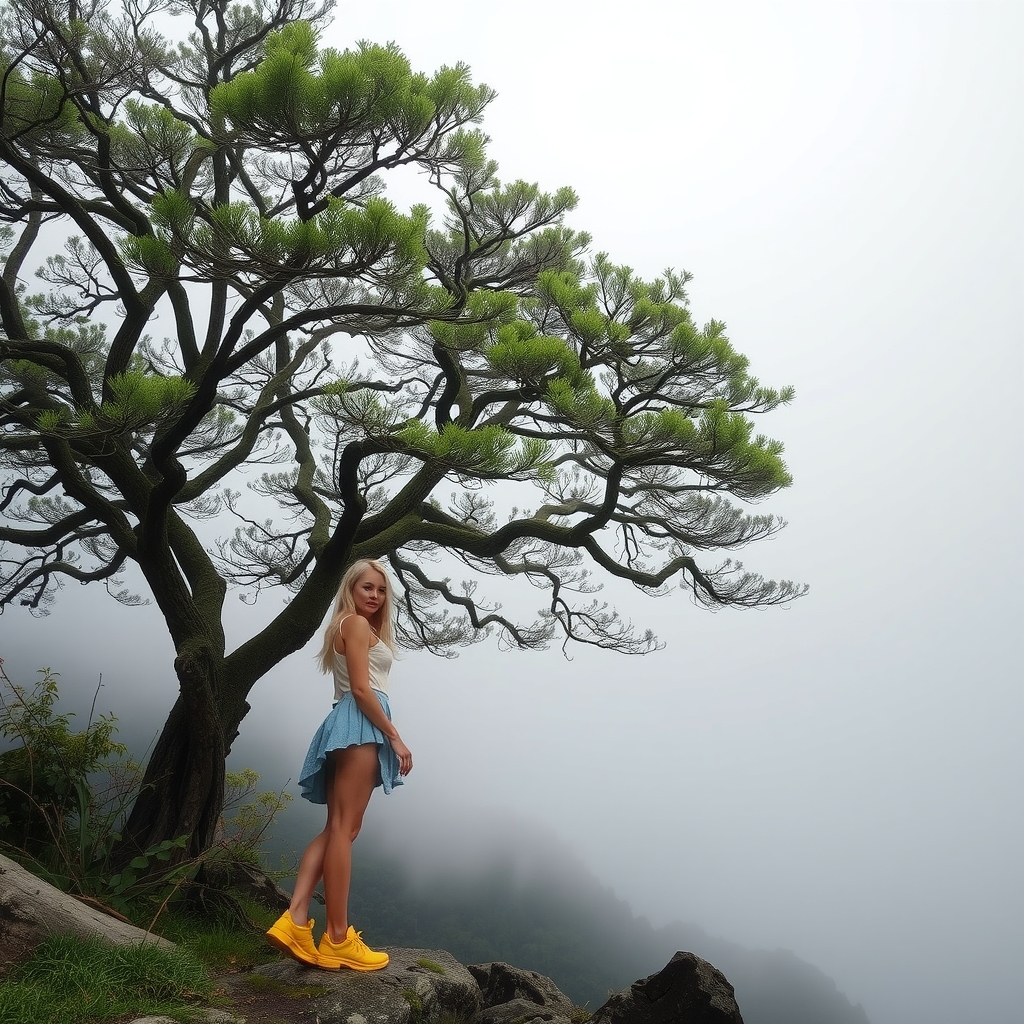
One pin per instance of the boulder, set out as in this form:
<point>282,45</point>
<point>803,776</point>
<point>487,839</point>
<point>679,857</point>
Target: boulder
<point>687,990</point>
<point>32,910</point>
<point>501,983</point>
<point>520,1011</point>
<point>418,985</point>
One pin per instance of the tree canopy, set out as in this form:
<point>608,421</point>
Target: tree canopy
<point>216,323</point>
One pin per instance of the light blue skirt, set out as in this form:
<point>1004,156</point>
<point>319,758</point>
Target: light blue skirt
<point>347,726</point>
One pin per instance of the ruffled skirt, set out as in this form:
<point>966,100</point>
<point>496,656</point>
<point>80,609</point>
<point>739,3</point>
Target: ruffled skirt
<point>347,726</point>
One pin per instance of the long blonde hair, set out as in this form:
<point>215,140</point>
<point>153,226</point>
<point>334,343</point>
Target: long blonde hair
<point>345,604</point>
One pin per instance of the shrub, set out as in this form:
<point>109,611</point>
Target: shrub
<point>64,796</point>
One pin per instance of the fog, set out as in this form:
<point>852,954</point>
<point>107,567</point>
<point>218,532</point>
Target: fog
<point>842,778</point>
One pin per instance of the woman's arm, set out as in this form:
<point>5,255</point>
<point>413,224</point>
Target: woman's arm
<point>355,637</point>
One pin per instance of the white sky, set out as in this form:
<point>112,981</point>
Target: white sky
<point>843,778</point>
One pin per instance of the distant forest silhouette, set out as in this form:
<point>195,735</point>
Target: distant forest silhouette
<point>564,924</point>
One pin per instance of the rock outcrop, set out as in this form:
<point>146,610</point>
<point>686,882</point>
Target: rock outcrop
<point>417,985</point>
<point>504,985</point>
<point>520,1011</point>
<point>422,985</point>
<point>32,910</point>
<point>687,990</point>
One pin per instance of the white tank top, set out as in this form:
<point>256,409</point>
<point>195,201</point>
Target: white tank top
<point>380,661</point>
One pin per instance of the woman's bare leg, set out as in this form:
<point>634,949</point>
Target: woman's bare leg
<point>311,866</point>
<point>355,775</point>
<point>311,869</point>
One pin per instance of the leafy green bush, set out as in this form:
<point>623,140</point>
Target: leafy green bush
<point>46,775</point>
<point>64,796</point>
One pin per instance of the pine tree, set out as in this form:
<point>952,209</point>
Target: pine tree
<point>209,223</point>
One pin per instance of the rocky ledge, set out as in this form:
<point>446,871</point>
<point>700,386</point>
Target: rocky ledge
<point>423,985</point>
<point>419,986</point>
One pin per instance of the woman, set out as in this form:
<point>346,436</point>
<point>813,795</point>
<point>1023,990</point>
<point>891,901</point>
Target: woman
<point>355,749</point>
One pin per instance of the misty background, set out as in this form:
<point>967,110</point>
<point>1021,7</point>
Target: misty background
<point>843,778</point>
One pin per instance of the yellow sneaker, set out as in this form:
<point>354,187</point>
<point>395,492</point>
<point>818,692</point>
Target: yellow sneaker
<point>352,952</point>
<point>293,939</point>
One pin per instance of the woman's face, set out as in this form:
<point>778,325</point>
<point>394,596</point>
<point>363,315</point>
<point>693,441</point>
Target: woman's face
<point>369,593</point>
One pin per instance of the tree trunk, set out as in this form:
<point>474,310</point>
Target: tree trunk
<point>183,789</point>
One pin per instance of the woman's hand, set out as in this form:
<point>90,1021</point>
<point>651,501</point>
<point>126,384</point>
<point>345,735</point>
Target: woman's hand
<point>404,755</point>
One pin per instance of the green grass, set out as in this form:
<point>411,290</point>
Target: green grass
<point>220,946</point>
<point>85,981</point>
<point>261,983</point>
<point>429,965</point>
<point>415,1006</point>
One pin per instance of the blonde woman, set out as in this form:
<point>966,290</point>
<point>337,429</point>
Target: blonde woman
<point>356,749</point>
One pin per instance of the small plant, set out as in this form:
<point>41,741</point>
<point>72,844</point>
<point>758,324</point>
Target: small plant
<point>247,818</point>
<point>429,965</point>
<point>232,878</point>
<point>415,1006</point>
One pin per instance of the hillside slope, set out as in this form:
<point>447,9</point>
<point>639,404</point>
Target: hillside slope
<point>559,921</point>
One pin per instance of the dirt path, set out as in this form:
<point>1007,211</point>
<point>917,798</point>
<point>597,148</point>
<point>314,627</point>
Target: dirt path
<point>259,1000</point>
